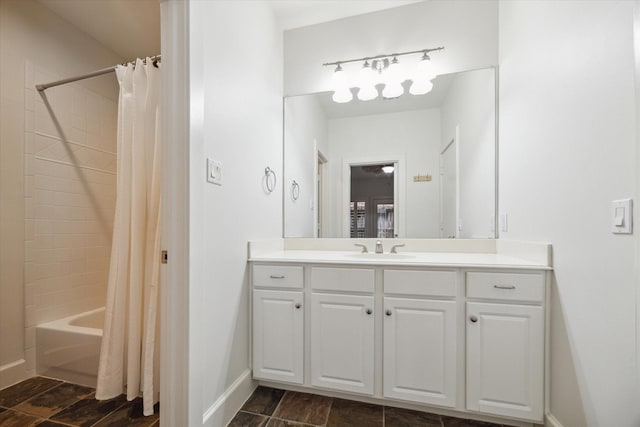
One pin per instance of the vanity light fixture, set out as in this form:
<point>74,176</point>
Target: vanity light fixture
<point>387,70</point>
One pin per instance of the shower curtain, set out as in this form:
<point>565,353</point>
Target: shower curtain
<point>129,353</point>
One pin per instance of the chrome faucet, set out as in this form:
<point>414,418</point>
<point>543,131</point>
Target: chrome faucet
<point>393,248</point>
<point>379,249</point>
<point>364,247</point>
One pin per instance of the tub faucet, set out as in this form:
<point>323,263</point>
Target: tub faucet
<point>379,247</point>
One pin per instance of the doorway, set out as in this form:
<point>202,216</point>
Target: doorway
<point>449,190</point>
<point>371,206</point>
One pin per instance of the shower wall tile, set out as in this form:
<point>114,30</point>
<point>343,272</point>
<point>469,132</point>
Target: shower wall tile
<point>70,161</point>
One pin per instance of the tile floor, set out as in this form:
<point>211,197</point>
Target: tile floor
<point>269,407</point>
<point>46,402</point>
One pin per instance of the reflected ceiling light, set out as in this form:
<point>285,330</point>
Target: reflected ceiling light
<point>383,70</point>
<point>387,169</point>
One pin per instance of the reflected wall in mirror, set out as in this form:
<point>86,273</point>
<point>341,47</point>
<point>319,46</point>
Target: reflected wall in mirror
<point>441,148</point>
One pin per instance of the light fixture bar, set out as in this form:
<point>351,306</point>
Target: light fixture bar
<point>369,58</point>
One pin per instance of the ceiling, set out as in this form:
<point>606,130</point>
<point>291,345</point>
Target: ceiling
<point>131,28</point>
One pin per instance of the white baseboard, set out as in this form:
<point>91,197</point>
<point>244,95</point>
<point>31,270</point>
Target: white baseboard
<point>223,410</point>
<point>551,421</point>
<point>13,372</point>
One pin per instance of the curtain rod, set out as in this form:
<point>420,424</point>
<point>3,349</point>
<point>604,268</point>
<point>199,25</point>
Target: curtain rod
<point>43,86</point>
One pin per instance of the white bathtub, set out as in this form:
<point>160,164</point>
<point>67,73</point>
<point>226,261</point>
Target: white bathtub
<point>69,348</point>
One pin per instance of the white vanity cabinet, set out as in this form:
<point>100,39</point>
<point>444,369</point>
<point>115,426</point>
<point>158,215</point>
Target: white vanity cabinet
<point>505,344</point>
<point>419,336</point>
<point>278,324</point>
<point>342,329</point>
<point>460,334</point>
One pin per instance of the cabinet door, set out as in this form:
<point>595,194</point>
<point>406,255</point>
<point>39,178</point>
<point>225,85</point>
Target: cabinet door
<point>342,342</point>
<point>420,350</point>
<point>505,359</point>
<point>278,342</point>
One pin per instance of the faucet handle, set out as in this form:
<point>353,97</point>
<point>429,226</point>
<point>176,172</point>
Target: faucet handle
<point>364,247</point>
<point>393,248</point>
<point>379,249</point>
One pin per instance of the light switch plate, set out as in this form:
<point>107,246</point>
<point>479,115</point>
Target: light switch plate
<point>214,171</point>
<point>622,216</point>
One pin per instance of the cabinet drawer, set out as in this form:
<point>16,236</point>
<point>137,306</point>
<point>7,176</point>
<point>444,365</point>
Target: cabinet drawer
<point>506,286</point>
<point>428,283</point>
<point>278,276</point>
<point>342,279</point>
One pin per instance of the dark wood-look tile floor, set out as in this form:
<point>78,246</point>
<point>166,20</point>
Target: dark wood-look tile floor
<point>45,402</point>
<point>269,407</point>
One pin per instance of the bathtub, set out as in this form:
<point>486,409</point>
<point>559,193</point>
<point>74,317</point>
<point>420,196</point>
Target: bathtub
<point>69,348</point>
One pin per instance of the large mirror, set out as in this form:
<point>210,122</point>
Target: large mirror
<point>410,167</point>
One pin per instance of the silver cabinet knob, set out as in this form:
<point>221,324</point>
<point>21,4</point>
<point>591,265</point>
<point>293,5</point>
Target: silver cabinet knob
<point>474,319</point>
<point>298,305</point>
<point>369,311</point>
<point>388,312</point>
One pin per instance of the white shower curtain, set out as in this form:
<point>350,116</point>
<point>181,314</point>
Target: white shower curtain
<point>129,353</point>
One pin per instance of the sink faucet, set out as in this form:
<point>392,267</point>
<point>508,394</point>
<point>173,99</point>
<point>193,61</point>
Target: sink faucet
<point>393,248</point>
<point>364,247</point>
<point>379,247</point>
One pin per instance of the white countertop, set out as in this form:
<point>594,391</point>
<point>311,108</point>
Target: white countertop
<point>405,259</point>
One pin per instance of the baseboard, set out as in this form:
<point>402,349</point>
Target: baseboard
<point>551,421</point>
<point>13,372</point>
<point>223,410</point>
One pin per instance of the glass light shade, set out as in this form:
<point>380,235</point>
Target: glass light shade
<point>339,79</point>
<point>392,74</point>
<point>367,93</point>
<point>342,96</point>
<point>426,69</point>
<point>420,87</point>
<point>392,90</point>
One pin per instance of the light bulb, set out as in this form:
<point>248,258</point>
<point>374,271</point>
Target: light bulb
<point>420,87</point>
<point>387,169</point>
<point>426,69</point>
<point>342,96</point>
<point>367,90</point>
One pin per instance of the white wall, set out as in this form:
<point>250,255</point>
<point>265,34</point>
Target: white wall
<point>305,129</point>
<point>467,28</point>
<point>416,133</point>
<point>58,208</point>
<point>567,148</point>
<point>236,118</point>
<point>470,105</point>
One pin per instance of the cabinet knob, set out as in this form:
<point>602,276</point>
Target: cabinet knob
<point>388,312</point>
<point>369,311</point>
<point>474,319</point>
<point>298,305</point>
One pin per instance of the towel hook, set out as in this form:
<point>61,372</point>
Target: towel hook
<point>268,173</point>
<point>295,190</point>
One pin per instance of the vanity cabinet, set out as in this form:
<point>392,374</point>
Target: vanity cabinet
<point>505,344</point>
<point>342,336</point>
<point>278,324</point>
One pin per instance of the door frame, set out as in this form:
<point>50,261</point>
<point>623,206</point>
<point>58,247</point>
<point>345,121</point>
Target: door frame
<point>455,143</point>
<point>399,190</point>
<point>320,213</point>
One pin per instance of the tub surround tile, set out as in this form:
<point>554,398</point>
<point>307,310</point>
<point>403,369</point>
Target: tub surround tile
<point>397,417</point>
<point>10,418</point>
<point>304,408</point>
<point>88,411</point>
<point>247,419</point>
<point>129,415</point>
<point>348,413</point>
<point>264,400</point>
<point>54,400</point>
<point>25,390</point>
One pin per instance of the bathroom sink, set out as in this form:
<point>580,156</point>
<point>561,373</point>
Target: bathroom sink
<point>380,256</point>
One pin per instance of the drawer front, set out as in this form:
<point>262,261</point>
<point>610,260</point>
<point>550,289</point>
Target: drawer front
<point>278,276</point>
<point>342,279</point>
<point>428,283</point>
<point>506,286</point>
